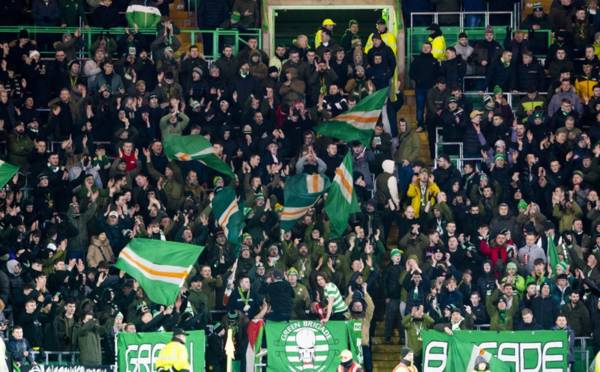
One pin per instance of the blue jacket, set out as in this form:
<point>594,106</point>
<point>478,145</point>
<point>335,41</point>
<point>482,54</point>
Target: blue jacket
<point>16,348</point>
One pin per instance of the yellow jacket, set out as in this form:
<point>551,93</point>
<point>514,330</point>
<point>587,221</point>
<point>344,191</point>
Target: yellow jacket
<point>414,192</point>
<point>438,47</point>
<point>388,38</point>
<point>585,88</point>
<point>173,355</point>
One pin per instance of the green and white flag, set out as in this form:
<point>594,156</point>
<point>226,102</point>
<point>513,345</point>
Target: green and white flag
<point>228,214</point>
<point>306,345</point>
<point>195,147</point>
<point>356,124</point>
<point>7,171</point>
<point>301,192</point>
<point>137,352</point>
<point>480,355</point>
<point>159,266</point>
<point>145,16</point>
<point>501,351</point>
<point>341,198</point>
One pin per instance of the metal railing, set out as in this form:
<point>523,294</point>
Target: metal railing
<point>60,357</point>
<point>416,36</point>
<point>458,161</point>
<point>461,15</point>
<point>583,349</point>
<point>89,35</point>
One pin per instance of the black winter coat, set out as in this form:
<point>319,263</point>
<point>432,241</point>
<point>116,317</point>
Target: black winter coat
<point>424,70</point>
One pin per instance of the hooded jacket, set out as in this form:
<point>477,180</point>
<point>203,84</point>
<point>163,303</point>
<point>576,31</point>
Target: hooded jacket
<point>99,251</point>
<point>387,187</point>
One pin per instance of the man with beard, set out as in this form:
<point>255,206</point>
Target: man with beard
<point>301,301</point>
<point>414,323</point>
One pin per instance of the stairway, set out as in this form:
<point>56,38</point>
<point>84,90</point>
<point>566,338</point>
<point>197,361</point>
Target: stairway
<point>409,112</point>
<point>385,356</point>
<point>183,19</point>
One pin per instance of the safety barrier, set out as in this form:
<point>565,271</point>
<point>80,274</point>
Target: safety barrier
<point>417,36</point>
<point>58,357</point>
<point>462,15</point>
<point>476,99</point>
<point>89,35</point>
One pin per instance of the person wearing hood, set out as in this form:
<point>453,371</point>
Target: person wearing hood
<point>406,364</point>
<point>20,145</point>
<point>100,251</point>
<point>347,364</point>
<point>258,69</point>
<point>350,34</point>
<point>409,144</point>
<point>387,187</point>
<point>79,220</point>
<point>437,41</point>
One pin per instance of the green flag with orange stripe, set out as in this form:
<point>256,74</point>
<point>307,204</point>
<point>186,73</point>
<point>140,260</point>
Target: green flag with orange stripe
<point>341,198</point>
<point>228,214</point>
<point>195,147</point>
<point>159,266</point>
<point>300,193</point>
<point>356,124</point>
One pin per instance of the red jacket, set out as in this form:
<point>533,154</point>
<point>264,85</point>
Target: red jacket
<point>494,253</point>
<point>353,368</point>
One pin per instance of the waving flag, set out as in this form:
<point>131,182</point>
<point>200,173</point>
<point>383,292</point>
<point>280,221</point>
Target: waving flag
<point>228,214</point>
<point>159,266</point>
<point>301,192</point>
<point>356,124</point>
<point>7,171</point>
<point>195,147</point>
<point>341,198</point>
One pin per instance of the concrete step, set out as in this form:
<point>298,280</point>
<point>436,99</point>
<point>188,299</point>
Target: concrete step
<point>385,350</point>
<point>390,356</point>
<point>384,365</point>
<point>380,340</point>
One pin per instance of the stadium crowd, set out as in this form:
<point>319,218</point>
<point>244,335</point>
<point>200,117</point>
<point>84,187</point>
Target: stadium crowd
<point>511,240</point>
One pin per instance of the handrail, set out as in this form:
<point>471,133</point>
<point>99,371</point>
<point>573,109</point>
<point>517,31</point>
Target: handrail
<point>414,35</point>
<point>88,34</point>
<point>461,22</point>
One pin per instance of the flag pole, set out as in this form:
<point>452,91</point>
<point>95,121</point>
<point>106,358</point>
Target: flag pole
<point>229,350</point>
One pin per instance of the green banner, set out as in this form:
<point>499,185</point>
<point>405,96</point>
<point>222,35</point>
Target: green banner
<point>305,345</point>
<point>512,351</point>
<point>355,333</point>
<point>138,351</point>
